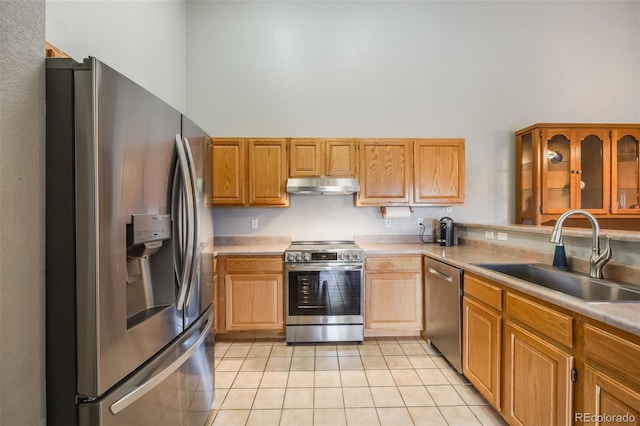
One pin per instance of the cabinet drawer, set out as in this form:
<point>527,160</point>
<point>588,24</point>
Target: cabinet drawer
<point>254,264</point>
<point>394,263</point>
<point>483,291</point>
<point>547,321</point>
<point>612,351</point>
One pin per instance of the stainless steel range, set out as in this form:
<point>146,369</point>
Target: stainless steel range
<point>324,286</point>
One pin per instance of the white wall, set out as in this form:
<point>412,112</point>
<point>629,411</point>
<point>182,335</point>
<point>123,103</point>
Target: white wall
<point>143,39</point>
<point>478,70</point>
<point>22,212</point>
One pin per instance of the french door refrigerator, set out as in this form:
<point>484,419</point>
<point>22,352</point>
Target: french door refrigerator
<point>128,320</point>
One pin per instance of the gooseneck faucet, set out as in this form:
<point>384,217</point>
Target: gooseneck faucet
<point>597,259</point>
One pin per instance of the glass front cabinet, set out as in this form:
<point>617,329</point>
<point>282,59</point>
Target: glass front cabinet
<point>625,182</point>
<point>578,166</point>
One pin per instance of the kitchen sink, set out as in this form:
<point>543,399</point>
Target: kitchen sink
<point>574,284</point>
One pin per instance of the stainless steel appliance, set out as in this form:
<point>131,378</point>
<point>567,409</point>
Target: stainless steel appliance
<point>323,185</point>
<point>445,231</point>
<point>127,318</point>
<point>444,310</point>
<point>324,292</point>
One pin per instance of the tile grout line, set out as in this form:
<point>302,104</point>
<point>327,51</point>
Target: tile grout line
<point>429,354</point>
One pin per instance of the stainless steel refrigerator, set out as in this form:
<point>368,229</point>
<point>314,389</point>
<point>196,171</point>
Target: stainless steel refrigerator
<point>128,319</point>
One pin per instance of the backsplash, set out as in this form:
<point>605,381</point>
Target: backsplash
<point>532,243</point>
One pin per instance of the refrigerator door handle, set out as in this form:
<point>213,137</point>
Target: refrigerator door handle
<point>139,391</point>
<point>195,248</point>
<point>185,207</point>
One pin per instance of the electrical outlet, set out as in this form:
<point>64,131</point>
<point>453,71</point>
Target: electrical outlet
<point>387,223</point>
<point>502,236</point>
<point>489,235</point>
<point>420,221</point>
<point>254,223</point>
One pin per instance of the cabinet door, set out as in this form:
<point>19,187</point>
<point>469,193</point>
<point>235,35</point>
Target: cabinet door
<point>385,172</point>
<point>625,175</point>
<point>439,171</point>
<point>481,357</point>
<point>228,171</point>
<point>538,387</point>
<point>527,191</point>
<point>340,158</point>
<point>254,302</point>
<point>591,177</point>
<point>393,301</point>
<point>268,172</point>
<point>606,397</point>
<point>305,157</point>
<point>558,167</point>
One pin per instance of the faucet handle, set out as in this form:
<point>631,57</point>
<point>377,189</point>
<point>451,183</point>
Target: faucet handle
<point>607,246</point>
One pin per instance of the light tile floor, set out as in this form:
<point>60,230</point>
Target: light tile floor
<point>383,381</point>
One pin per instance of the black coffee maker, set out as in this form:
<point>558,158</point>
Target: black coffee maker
<point>445,231</point>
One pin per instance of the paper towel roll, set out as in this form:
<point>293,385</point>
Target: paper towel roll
<point>396,212</point>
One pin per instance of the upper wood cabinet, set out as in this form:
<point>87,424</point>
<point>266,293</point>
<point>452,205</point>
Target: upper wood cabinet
<point>576,166</point>
<point>227,179</point>
<point>268,172</point>
<point>322,157</point>
<point>411,172</point>
<point>385,172</point>
<point>392,172</point>
<point>625,173</point>
<point>575,170</point>
<point>247,172</point>
<point>438,176</point>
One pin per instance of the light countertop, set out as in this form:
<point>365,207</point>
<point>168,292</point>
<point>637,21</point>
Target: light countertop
<point>625,316</point>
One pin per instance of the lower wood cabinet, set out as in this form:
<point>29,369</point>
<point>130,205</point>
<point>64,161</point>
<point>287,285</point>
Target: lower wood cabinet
<point>519,353</point>
<point>254,301</point>
<point>482,337</point>
<point>608,399</point>
<point>253,293</point>
<point>481,356</point>
<point>538,362</point>
<point>537,376</point>
<point>611,377</point>
<point>393,295</point>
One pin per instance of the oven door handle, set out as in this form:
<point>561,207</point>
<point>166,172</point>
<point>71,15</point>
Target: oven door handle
<point>322,267</point>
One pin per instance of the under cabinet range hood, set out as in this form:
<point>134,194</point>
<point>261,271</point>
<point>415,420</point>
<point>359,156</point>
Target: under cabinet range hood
<point>323,186</point>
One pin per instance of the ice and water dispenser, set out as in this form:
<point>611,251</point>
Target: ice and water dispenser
<point>149,266</point>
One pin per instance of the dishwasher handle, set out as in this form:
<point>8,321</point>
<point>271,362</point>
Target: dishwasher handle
<point>441,275</point>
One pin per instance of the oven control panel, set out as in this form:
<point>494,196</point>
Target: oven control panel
<point>311,256</point>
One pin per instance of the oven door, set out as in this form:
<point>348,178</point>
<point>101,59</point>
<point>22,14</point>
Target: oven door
<point>322,293</point>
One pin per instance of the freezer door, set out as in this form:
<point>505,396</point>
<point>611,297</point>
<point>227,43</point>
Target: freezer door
<point>126,287</point>
<point>175,388</point>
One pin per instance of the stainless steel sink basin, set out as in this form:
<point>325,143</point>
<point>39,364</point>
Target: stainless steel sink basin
<point>574,284</point>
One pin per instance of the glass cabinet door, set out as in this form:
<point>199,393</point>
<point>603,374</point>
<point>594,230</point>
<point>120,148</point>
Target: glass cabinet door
<point>625,175</point>
<point>591,180</point>
<point>526,201</point>
<point>556,174</point>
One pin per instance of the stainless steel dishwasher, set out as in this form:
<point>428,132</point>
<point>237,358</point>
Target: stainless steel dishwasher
<point>444,310</point>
